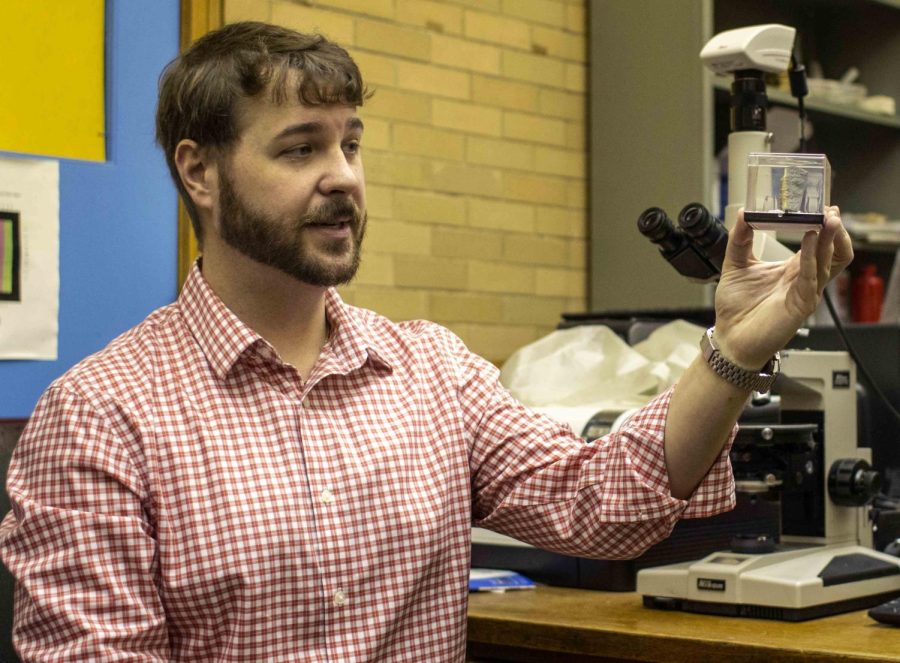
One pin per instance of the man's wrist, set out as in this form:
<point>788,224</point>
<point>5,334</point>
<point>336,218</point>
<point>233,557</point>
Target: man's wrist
<point>735,356</point>
<point>734,373</point>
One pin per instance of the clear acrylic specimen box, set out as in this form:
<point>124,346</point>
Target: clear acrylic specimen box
<point>787,191</point>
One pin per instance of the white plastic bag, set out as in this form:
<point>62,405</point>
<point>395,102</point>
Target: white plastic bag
<point>570,374</point>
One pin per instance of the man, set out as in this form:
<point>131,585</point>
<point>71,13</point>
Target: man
<point>261,472</point>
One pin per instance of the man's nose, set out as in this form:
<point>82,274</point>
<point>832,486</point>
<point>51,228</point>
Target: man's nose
<point>340,176</point>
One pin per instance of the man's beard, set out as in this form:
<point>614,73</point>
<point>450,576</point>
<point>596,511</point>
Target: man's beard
<point>284,245</point>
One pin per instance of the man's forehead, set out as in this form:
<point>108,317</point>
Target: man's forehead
<point>265,113</point>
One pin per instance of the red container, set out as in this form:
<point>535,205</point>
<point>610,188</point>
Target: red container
<point>868,294</point>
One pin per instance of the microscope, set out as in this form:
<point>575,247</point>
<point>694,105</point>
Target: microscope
<point>803,452</point>
<point>821,561</point>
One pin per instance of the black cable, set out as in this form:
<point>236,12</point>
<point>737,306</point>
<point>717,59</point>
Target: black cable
<point>859,365</point>
<point>802,112</point>
<point>799,89</point>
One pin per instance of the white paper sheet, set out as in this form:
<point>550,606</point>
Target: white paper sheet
<point>29,195</point>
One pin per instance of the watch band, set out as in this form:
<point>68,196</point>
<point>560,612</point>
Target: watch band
<point>741,377</point>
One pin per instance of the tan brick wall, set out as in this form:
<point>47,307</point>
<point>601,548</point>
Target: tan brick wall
<point>475,158</point>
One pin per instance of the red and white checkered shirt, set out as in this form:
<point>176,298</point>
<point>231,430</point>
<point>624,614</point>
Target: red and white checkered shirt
<point>184,495</point>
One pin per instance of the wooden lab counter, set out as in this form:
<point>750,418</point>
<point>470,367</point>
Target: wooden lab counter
<point>557,624</point>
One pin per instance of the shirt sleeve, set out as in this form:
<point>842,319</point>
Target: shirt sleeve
<point>78,540</point>
<point>535,480</point>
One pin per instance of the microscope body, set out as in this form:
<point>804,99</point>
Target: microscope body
<point>823,563</point>
<point>822,493</point>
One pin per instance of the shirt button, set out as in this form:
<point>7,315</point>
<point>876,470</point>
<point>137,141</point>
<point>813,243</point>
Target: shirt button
<point>338,598</point>
<point>326,496</point>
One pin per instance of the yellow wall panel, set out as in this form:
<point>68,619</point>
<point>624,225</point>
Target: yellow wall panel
<point>52,73</point>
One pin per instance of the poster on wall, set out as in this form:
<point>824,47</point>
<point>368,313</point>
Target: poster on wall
<point>29,258</point>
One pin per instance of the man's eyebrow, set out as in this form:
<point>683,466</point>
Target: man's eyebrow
<point>301,128</point>
<point>305,128</point>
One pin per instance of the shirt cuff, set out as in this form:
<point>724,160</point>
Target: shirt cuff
<point>643,443</point>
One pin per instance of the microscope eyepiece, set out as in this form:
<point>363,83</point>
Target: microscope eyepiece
<point>705,231</point>
<point>656,226</point>
<point>701,226</point>
<point>689,258</point>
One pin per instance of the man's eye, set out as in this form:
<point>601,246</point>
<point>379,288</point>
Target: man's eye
<point>298,151</point>
<point>352,147</point>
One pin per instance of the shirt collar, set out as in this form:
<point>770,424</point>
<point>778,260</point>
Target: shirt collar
<point>223,337</point>
<point>351,340</point>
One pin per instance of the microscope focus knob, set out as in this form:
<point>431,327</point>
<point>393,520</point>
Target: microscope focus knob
<point>852,482</point>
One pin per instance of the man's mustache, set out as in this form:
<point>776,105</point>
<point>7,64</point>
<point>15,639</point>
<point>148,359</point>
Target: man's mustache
<point>331,211</point>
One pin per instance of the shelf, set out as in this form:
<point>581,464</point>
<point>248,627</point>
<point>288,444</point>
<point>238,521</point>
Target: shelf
<point>875,246</point>
<point>860,244</point>
<point>818,105</point>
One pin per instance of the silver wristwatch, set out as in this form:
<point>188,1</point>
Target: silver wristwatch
<point>740,377</point>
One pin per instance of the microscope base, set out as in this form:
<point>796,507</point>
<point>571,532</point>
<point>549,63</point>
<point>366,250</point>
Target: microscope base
<point>791,584</point>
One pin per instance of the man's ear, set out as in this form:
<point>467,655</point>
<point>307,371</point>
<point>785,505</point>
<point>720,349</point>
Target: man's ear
<point>198,173</point>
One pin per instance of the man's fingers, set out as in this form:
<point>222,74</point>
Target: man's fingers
<point>825,248</point>
<point>824,262</point>
<point>739,251</point>
<point>811,252</point>
<point>843,246</point>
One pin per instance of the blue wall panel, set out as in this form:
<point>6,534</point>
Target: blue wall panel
<point>118,226</point>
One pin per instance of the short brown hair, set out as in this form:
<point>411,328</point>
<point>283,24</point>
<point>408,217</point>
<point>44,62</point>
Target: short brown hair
<point>198,90</point>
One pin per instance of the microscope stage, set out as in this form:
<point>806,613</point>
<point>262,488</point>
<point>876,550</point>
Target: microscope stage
<point>792,583</point>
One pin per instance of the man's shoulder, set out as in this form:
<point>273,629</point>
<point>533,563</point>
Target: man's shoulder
<point>405,334</point>
<point>414,343</point>
<point>129,362</point>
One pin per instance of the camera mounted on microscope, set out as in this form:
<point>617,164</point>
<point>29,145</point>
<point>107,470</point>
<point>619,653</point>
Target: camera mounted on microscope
<point>749,53</point>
